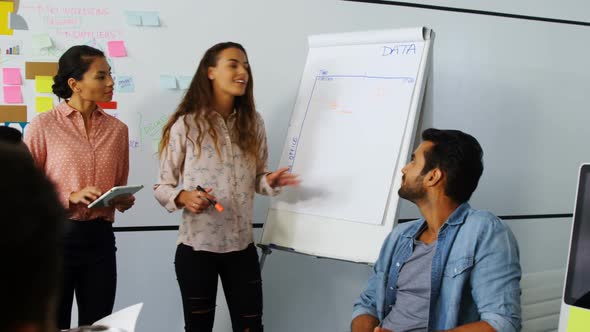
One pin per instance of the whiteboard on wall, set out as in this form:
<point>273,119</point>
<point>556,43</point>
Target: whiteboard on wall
<point>350,134</point>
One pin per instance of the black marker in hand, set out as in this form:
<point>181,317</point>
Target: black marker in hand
<point>217,206</point>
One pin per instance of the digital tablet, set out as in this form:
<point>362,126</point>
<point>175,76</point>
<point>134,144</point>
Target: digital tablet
<point>104,200</point>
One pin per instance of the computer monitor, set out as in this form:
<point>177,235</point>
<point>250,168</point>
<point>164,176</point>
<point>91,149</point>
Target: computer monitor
<point>577,283</point>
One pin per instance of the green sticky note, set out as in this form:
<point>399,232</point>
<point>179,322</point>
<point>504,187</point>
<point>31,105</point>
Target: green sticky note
<point>40,41</point>
<point>43,104</point>
<point>43,84</point>
<point>578,320</point>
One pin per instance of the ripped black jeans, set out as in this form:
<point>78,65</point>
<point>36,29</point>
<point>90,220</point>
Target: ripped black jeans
<point>197,273</point>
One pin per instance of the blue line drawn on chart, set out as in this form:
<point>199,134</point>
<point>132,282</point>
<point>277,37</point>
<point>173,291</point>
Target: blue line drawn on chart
<point>294,144</point>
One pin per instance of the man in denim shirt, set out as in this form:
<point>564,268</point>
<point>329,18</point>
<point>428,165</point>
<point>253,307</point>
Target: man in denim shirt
<point>473,283</point>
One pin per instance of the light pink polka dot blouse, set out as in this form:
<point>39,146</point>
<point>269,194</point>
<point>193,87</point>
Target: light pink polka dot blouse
<point>72,160</point>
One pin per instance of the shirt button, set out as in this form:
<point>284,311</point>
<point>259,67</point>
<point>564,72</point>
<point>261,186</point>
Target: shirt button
<point>397,264</point>
<point>391,288</point>
<point>455,270</point>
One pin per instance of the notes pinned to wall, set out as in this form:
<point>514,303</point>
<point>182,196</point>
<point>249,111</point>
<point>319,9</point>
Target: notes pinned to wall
<point>133,18</point>
<point>142,18</point>
<point>184,82</point>
<point>41,40</point>
<point>107,105</point>
<point>13,113</point>
<point>6,7</point>
<point>150,19</point>
<point>13,94</point>
<point>43,104</point>
<point>33,69</point>
<point>124,84</point>
<point>168,82</point>
<point>117,48</point>
<point>11,76</point>
<point>43,84</point>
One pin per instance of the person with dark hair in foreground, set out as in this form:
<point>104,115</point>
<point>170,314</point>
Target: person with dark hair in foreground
<point>12,136</point>
<point>32,222</point>
<point>456,268</point>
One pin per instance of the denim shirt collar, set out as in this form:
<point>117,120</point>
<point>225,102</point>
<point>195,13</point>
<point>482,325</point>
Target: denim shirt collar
<point>456,218</point>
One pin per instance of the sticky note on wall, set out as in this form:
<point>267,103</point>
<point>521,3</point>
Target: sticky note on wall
<point>167,82</point>
<point>43,84</point>
<point>13,113</point>
<point>184,82</point>
<point>33,69</point>
<point>11,76</point>
<point>125,84</point>
<point>107,105</point>
<point>13,94</point>
<point>43,104</point>
<point>150,19</point>
<point>40,41</point>
<point>6,7</point>
<point>133,18</point>
<point>140,18</point>
<point>117,48</point>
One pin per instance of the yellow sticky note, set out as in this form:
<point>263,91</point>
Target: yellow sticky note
<point>43,84</point>
<point>43,104</point>
<point>578,320</point>
<point>5,8</point>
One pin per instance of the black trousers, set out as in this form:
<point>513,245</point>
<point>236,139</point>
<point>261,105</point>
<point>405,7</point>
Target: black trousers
<point>90,271</point>
<point>197,273</point>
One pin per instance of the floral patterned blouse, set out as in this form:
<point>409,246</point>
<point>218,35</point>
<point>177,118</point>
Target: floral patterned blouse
<point>233,176</point>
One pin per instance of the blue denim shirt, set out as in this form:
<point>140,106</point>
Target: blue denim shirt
<point>475,273</point>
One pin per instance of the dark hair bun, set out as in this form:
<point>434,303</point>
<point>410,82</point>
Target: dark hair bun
<point>73,64</point>
<point>60,87</point>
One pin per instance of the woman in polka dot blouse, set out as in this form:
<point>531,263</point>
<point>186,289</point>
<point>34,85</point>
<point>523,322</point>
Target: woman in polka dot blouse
<point>85,152</point>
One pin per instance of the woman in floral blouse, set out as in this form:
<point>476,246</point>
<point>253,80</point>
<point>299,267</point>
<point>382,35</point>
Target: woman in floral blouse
<point>216,140</point>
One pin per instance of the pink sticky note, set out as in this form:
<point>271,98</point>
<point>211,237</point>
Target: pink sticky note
<point>117,48</point>
<point>11,76</point>
<point>12,94</point>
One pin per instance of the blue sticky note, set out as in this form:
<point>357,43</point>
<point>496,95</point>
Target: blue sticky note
<point>150,19</point>
<point>133,18</point>
<point>184,82</point>
<point>167,82</point>
<point>124,84</point>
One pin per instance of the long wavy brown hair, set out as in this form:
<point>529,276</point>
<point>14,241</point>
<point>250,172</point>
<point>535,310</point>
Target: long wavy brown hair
<point>198,102</point>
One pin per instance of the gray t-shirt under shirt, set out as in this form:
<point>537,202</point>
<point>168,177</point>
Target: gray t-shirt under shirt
<point>410,311</point>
